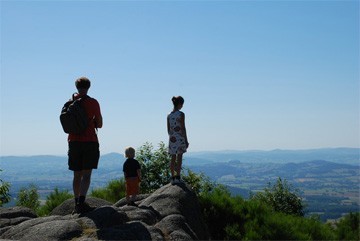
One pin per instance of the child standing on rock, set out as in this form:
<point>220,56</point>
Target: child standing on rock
<point>178,142</point>
<point>132,173</point>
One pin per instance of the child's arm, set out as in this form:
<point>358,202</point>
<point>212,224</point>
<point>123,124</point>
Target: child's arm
<point>139,174</point>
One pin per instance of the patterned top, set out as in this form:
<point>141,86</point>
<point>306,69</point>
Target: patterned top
<point>177,140</point>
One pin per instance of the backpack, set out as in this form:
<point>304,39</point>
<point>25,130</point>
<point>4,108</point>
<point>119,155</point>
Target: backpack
<point>73,117</point>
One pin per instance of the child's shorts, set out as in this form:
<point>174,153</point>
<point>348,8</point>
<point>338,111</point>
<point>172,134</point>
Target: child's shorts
<point>132,185</point>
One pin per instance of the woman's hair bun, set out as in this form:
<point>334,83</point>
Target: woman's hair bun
<point>177,100</point>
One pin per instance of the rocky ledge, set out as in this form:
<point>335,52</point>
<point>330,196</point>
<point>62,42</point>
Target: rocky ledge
<point>170,213</point>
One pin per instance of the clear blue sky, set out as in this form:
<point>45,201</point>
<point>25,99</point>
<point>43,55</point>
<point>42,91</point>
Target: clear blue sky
<point>254,74</point>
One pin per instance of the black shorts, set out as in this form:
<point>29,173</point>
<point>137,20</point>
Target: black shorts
<point>83,155</point>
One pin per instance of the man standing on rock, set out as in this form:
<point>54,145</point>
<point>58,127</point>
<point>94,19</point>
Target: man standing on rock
<point>84,150</point>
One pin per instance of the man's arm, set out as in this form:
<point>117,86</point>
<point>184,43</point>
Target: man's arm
<point>98,117</point>
<point>98,121</point>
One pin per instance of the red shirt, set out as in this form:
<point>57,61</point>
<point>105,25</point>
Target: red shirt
<point>92,109</point>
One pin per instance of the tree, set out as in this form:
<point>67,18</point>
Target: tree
<point>29,197</point>
<point>199,182</point>
<point>282,198</point>
<point>4,192</point>
<point>155,168</point>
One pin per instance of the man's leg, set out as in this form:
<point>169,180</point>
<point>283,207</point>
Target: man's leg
<point>81,185</point>
<point>85,184</point>
<point>77,185</point>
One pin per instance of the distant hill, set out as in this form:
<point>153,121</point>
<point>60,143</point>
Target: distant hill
<point>329,189</point>
<point>327,178</point>
<point>270,171</point>
<point>48,172</point>
<point>338,155</point>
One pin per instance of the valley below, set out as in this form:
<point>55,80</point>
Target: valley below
<point>328,186</point>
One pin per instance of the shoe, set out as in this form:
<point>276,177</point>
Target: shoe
<point>178,179</point>
<point>172,181</point>
<point>132,203</point>
<point>76,209</point>
<point>84,208</point>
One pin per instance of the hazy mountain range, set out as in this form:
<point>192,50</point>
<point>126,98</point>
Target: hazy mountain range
<point>327,178</point>
<point>340,155</point>
<point>27,169</point>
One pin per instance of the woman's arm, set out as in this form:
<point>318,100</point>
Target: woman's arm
<point>184,129</point>
<point>168,125</point>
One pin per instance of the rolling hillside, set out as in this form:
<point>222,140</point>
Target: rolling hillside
<point>329,186</point>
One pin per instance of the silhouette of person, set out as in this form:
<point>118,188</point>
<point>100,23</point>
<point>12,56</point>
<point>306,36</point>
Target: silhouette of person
<point>132,173</point>
<point>84,150</point>
<point>178,142</point>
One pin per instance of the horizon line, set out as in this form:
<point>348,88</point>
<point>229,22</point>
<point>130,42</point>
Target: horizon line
<point>209,151</point>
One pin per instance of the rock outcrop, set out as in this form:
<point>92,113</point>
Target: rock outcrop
<point>170,213</point>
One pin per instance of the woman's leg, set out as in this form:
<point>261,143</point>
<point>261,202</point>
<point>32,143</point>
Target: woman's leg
<point>173,165</point>
<point>178,164</point>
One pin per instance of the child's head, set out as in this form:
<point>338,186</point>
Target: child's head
<point>129,152</point>
<point>178,101</point>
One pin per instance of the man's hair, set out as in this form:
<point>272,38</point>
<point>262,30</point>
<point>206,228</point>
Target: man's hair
<point>130,152</point>
<point>82,83</point>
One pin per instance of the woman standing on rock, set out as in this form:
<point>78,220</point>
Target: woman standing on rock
<point>178,142</point>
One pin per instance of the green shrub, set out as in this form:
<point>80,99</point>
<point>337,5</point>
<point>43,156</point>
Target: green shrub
<point>28,197</point>
<point>280,226</point>
<point>4,192</point>
<point>232,232</point>
<point>113,192</point>
<point>348,227</point>
<point>313,227</point>
<point>233,218</point>
<point>54,199</point>
<point>222,213</point>
<point>282,198</point>
<point>199,182</point>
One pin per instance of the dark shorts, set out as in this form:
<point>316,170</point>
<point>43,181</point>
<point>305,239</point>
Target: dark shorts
<point>83,155</point>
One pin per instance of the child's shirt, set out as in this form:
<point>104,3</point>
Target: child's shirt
<point>130,167</point>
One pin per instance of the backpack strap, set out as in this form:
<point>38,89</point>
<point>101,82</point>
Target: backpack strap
<point>82,98</point>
